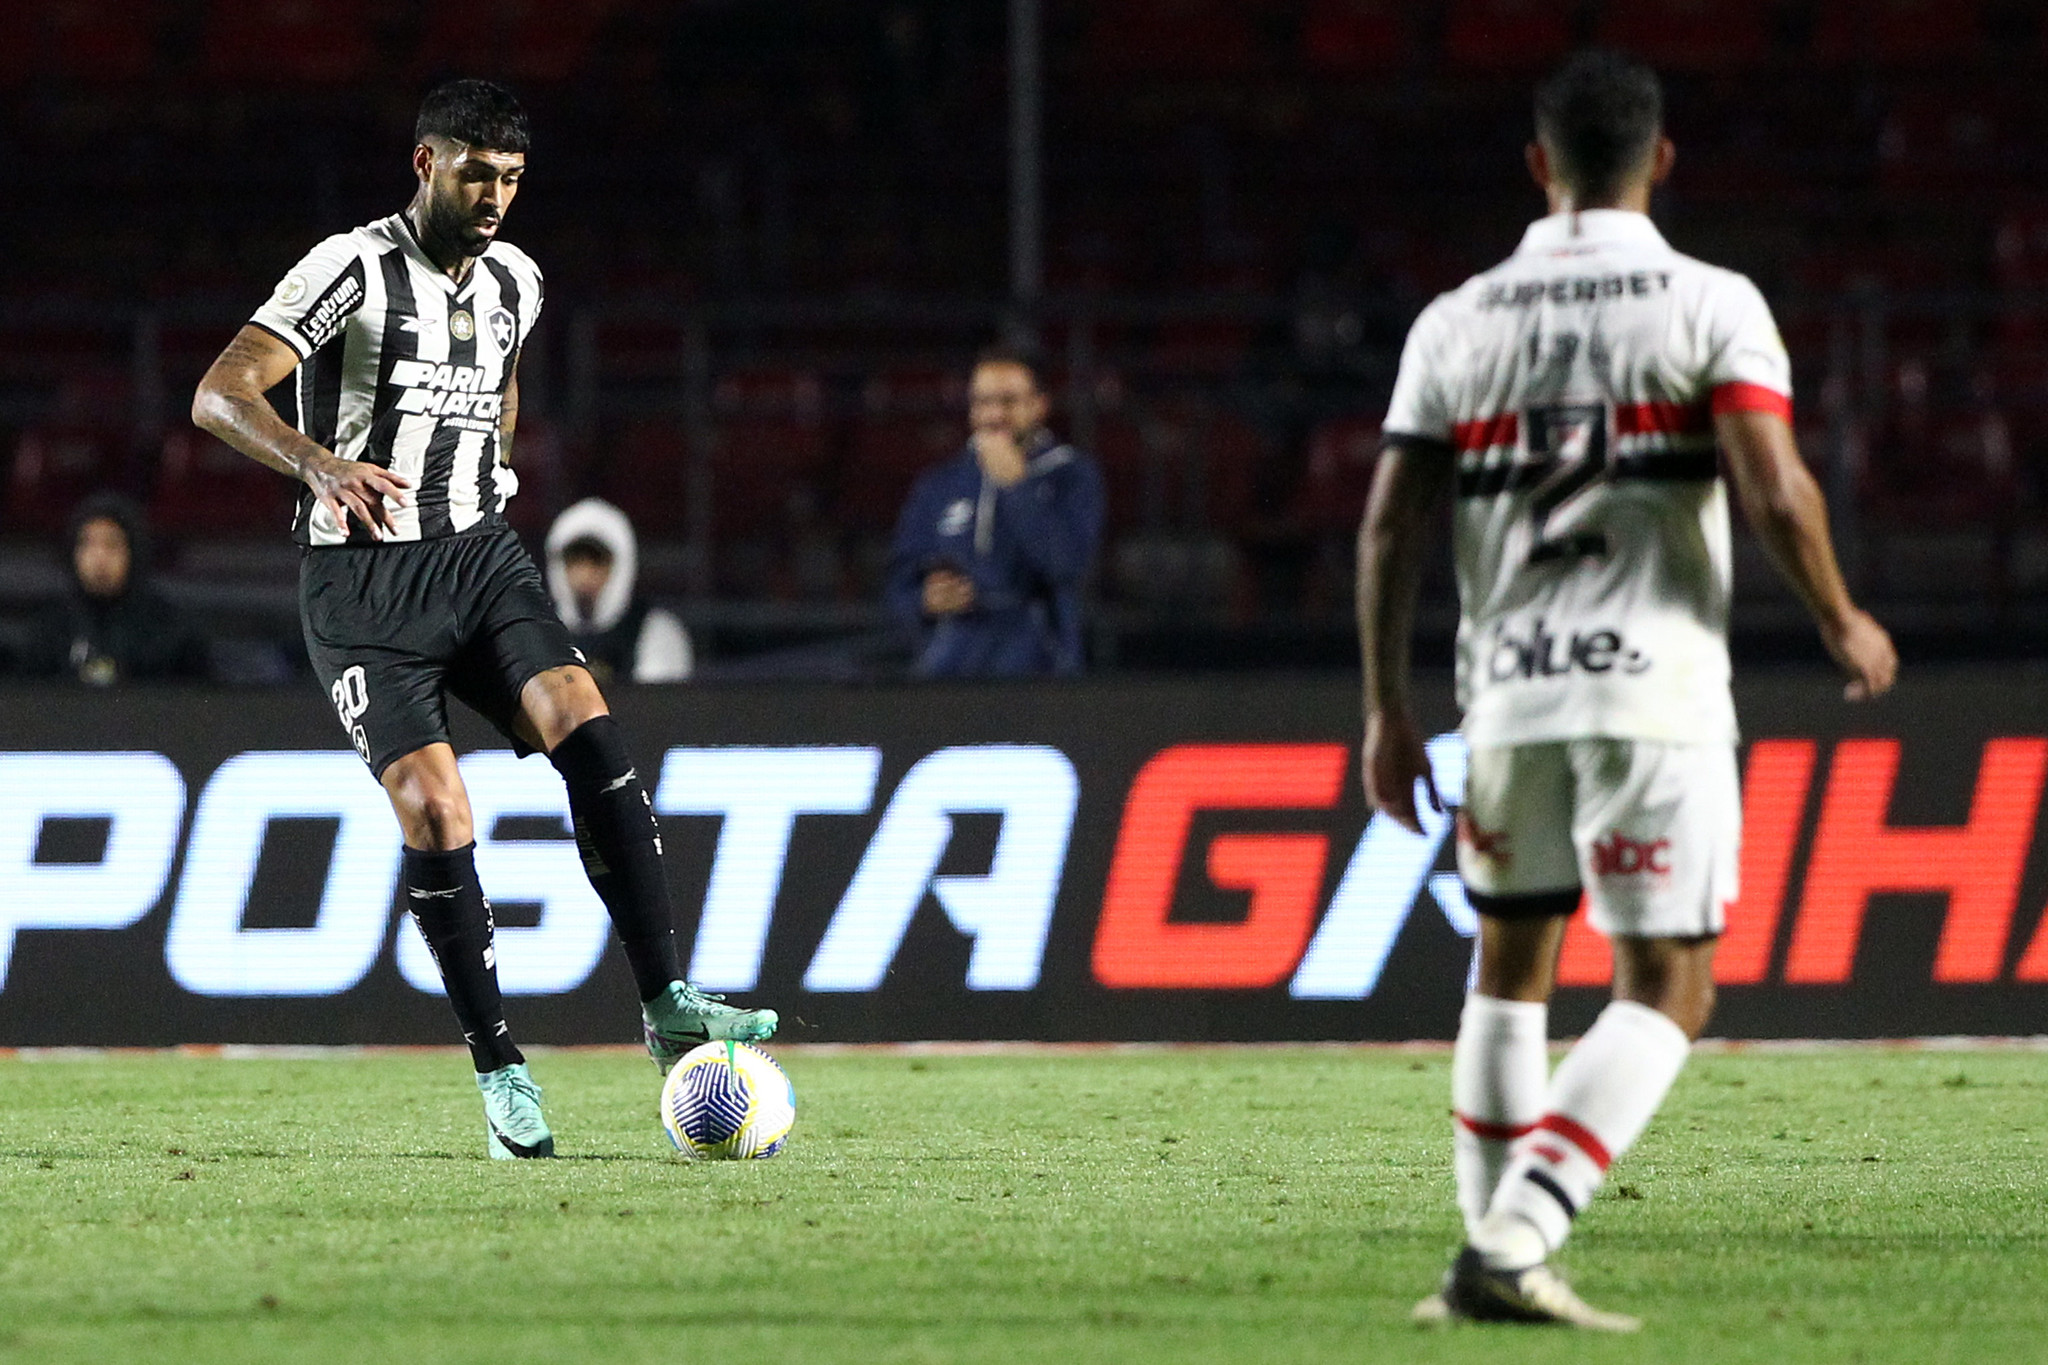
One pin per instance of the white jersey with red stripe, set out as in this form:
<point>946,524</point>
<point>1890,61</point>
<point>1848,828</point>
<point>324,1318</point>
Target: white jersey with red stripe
<point>1575,385</point>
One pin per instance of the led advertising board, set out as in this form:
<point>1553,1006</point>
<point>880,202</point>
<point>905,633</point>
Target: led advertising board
<point>1097,860</point>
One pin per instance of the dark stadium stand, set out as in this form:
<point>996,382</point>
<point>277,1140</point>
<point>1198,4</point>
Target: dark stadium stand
<point>773,234</point>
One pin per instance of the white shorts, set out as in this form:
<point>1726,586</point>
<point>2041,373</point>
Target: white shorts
<point>1652,831</point>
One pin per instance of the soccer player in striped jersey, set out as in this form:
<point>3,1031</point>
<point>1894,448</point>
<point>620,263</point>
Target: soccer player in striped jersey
<point>1573,398</point>
<point>383,374</point>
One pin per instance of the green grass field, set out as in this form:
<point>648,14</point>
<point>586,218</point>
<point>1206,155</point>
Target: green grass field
<point>1170,1205</point>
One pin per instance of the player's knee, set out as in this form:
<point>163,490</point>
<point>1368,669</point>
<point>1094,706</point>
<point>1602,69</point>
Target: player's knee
<point>556,703</point>
<point>441,819</point>
<point>433,813</point>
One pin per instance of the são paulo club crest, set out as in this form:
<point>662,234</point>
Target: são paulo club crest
<point>504,328</point>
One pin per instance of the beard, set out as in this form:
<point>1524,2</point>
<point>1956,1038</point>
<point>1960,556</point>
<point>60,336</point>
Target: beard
<point>449,222</point>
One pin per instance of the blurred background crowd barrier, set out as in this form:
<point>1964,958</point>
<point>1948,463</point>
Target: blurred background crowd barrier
<point>775,230</point>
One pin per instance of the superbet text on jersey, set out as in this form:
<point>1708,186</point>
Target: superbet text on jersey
<point>1575,384</point>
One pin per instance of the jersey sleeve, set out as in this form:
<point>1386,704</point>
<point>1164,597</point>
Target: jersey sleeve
<point>1748,369</point>
<point>315,299</point>
<point>1418,406</point>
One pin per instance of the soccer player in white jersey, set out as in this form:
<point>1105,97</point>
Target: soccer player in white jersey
<point>393,351</point>
<point>1573,398</point>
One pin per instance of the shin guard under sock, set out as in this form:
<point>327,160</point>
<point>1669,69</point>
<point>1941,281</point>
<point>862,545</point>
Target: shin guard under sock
<point>621,847</point>
<point>448,904</point>
<point>1601,1099</point>
<point>1499,1072</point>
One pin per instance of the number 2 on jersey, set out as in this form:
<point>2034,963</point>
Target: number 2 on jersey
<point>1574,436</point>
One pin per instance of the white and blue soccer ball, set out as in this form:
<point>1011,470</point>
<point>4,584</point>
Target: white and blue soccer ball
<point>727,1102</point>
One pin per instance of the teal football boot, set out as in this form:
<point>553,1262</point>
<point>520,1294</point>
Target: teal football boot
<point>512,1114</point>
<point>683,1017</point>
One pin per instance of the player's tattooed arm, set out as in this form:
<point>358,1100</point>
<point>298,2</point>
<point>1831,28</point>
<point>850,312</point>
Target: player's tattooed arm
<point>230,403</point>
<point>508,415</point>
<point>1411,480</point>
<point>1785,509</point>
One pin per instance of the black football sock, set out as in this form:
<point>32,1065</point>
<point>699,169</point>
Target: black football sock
<point>447,902</point>
<point>621,848</point>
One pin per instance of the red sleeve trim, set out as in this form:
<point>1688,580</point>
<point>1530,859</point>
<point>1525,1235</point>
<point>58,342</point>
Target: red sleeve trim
<point>1741,397</point>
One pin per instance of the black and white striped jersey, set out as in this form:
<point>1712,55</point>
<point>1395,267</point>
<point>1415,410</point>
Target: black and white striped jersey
<point>405,368</point>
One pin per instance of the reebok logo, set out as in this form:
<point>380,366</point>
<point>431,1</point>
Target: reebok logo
<point>1620,856</point>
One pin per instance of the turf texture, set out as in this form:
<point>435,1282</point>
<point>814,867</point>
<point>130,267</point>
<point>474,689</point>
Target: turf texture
<point>1239,1205</point>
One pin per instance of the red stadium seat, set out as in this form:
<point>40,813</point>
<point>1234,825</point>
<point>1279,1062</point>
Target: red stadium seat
<point>288,42</point>
<point>204,488</point>
<point>1234,465</point>
<point>926,390</point>
<point>1690,35</point>
<point>767,437</point>
<point>1348,37</point>
<point>1341,457</point>
<point>1898,32</point>
<point>519,40</point>
<point>1939,141</point>
<point>94,42</point>
<point>886,456</point>
<point>55,466</point>
<point>1174,37</point>
<point>1508,35</point>
<point>102,42</point>
<point>759,466</point>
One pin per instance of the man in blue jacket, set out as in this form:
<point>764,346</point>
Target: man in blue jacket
<point>994,546</point>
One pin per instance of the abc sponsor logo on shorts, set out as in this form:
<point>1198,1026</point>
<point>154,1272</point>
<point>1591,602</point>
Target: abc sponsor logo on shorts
<point>1620,856</point>
<point>1541,654</point>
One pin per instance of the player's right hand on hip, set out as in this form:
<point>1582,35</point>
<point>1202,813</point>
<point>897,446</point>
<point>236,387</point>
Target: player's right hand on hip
<point>1865,651</point>
<point>355,487</point>
<point>1394,761</point>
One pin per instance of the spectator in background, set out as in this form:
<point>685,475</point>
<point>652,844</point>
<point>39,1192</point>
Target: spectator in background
<point>112,626</point>
<point>993,549</point>
<point>593,565</point>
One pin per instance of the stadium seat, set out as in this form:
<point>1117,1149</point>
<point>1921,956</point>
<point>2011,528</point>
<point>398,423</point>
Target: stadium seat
<point>1351,37</point>
<point>1508,35</point>
<point>932,390</point>
<point>288,42</point>
<point>1902,33</point>
<point>1945,140</point>
<point>1232,472</point>
<point>520,40</point>
<point>762,468</point>
<point>58,464</point>
<point>205,488</point>
<point>1341,457</point>
<point>93,42</point>
<point>1174,37</point>
<point>1690,35</point>
<point>884,457</point>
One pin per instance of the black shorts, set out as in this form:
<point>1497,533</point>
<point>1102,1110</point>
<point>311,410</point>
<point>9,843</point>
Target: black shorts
<point>392,629</point>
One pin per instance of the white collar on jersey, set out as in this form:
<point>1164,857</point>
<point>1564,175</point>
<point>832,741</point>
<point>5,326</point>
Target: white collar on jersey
<point>1594,227</point>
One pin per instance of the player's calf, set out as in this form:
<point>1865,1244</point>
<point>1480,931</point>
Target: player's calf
<point>621,848</point>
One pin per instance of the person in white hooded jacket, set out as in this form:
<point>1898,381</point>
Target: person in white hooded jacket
<point>593,562</point>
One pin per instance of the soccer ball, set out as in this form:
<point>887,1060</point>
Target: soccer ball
<point>727,1102</point>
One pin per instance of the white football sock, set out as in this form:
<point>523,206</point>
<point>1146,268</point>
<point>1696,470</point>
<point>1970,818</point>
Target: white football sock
<point>1602,1097</point>
<point>1499,1073</point>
